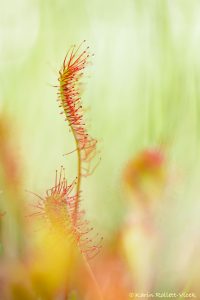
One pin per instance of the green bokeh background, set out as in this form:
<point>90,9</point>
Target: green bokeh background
<point>142,90</point>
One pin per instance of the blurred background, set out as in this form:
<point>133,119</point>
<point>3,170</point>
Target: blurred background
<point>141,95</point>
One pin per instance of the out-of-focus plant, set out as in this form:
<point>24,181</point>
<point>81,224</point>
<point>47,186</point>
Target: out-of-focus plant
<point>112,272</point>
<point>145,178</point>
<point>11,196</point>
<point>13,225</point>
<point>149,182</point>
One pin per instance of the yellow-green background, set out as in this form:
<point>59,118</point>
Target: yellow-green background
<point>142,90</point>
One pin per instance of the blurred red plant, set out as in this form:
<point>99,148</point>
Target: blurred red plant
<point>10,169</point>
<point>145,175</point>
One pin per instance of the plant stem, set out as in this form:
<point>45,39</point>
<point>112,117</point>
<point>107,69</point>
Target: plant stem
<point>79,165</point>
<point>96,286</point>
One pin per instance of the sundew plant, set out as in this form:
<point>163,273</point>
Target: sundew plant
<point>62,201</point>
<point>99,149</point>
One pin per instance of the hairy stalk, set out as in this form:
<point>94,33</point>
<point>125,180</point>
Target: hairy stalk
<point>78,184</point>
